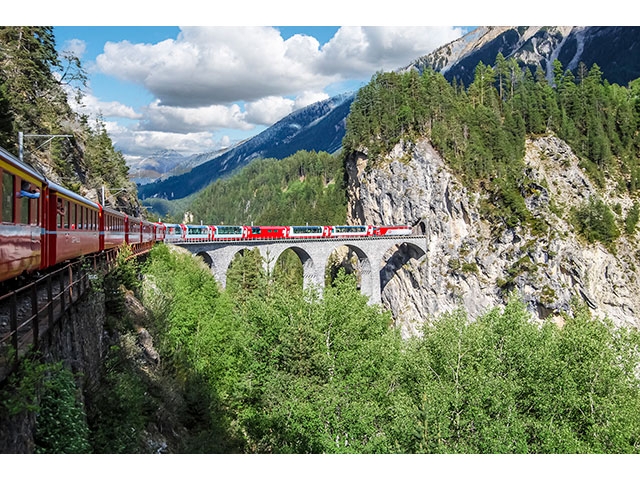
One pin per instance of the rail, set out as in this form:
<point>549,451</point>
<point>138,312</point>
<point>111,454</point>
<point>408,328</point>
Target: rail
<point>29,312</point>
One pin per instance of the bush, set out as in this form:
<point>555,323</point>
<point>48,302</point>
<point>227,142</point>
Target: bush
<point>595,221</point>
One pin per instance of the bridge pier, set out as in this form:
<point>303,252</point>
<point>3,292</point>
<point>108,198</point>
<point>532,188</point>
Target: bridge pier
<point>314,256</point>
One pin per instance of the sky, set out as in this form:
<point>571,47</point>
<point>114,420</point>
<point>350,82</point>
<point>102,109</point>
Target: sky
<point>195,89</point>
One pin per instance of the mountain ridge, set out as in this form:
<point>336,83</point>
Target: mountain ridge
<point>614,49</point>
<point>318,127</point>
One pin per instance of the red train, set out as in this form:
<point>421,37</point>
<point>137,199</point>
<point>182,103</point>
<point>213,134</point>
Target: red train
<point>44,224</point>
<point>203,233</point>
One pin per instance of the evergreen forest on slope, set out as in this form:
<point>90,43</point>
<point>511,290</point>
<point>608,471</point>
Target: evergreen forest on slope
<point>34,81</point>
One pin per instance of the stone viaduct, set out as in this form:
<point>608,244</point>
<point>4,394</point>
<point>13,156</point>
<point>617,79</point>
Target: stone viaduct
<point>314,255</point>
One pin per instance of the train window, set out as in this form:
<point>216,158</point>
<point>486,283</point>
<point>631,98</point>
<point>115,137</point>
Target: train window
<point>307,229</point>
<point>33,209</point>
<point>72,217</point>
<point>255,230</point>
<point>24,210</point>
<point>8,190</point>
<point>60,213</point>
<point>67,210</point>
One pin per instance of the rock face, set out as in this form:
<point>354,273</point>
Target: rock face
<point>476,265</point>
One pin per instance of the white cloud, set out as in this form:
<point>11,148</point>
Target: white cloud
<point>139,144</point>
<point>362,51</point>
<point>220,65</point>
<point>307,98</point>
<point>94,108</point>
<point>206,66</point>
<point>182,120</point>
<point>75,47</point>
<point>269,110</point>
<point>210,79</point>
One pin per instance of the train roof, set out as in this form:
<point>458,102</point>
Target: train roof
<point>8,157</point>
<point>70,194</point>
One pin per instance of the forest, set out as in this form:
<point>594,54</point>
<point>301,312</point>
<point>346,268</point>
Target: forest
<point>480,130</point>
<point>264,369</point>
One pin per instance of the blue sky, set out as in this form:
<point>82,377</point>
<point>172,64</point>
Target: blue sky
<point>195,89</point>
<point>198,89</point>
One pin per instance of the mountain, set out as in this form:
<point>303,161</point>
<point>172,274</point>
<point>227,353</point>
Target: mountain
<point>167,163</point>
<point>321,126</point>
<point>318,127</point>
<point>470,261</point>
<point>616,50</point>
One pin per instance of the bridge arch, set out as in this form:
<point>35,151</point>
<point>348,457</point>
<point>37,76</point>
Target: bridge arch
<point>401,255</point>
<point>206,258</point>
<point>314,256</point>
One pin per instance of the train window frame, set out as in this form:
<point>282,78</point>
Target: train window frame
<point>23,210</point>
<point>73,217</point>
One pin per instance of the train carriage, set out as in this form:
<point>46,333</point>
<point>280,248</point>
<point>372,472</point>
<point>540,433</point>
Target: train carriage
<point>133,230</point>
<point>388,230</point>
<point>160,232</point>
<point>265,232</point>
<point>22,228</point>
<point>174,232</point>
<point>72,225</point>
<point>307,231</point>
<point>198,233</point>
<point>112,228</point>
<point>148,231</point>
<point>351,231</point>
<point>228,232</point>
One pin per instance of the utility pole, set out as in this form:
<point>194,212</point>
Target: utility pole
<point>21,137</point>
<point>115,190</point>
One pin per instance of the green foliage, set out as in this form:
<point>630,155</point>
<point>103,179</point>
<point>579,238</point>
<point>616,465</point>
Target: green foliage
<point>273,371</point>
<point>481,131</point>
<point>34,82</point>
<point>631,221</point>
<point>61,426</point>
<point>503,384</point>
<point>288,271</point>
<point>35,101</point>
<point>321,375</point>
<point>120,410</point>
<point>595,221</point>
<point>305,187</point>
<point>49,390</point>
<point>245,273</point>
<point>123,276</point>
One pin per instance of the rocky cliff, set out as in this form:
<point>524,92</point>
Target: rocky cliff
<point>475,264</point>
